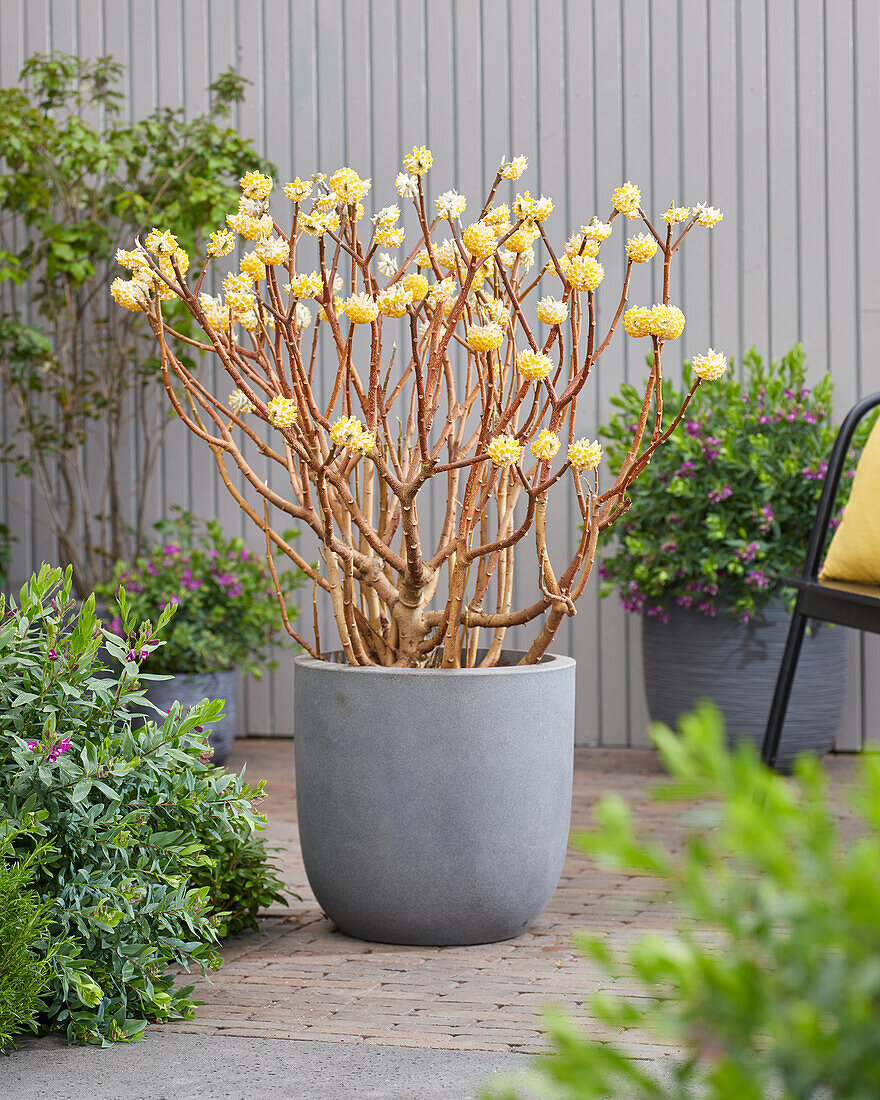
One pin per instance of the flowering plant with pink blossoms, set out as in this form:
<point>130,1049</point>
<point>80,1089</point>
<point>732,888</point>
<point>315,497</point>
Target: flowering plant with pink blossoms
<point>220,588</point>
<point>729,509</point>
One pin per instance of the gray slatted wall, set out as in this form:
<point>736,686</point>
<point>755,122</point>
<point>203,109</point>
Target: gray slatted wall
<point>768,108</point>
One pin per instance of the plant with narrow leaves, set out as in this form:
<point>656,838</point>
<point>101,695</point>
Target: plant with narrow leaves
<point>133,813</point>
<point>772,982</point>
<point>24,951</point>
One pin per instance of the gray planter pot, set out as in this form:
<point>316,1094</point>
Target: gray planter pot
<point>190,690</point>
<point>433,806</point>
<point>735,664</point>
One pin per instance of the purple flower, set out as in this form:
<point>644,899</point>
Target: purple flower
<point>33,745</point>
<point>670,547</point>
<point>53,655</point>
<point>170,548</point>
<point>748,553</point>
<point>687,602</point>
<point>707,609</point>
<point>757,579</point>
<point>672,517</point>
<point>717,495</point>
<point>769,518</point>
<point>693,427</point>
<point>745,617</point>
<point>245,554</point>
<point>58,748</point>
<point>152,569</point>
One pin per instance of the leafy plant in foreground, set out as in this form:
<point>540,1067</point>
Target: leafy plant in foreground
<point>126,821</point>
<point>24,953</point>
<point>772,982</point>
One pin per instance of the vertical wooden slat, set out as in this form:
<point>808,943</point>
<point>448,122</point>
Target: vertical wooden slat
<point>841,288</point>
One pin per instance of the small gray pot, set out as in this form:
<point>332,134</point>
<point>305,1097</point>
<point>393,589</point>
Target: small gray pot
<point>735,664</point>
<point>434,805</point>
<point>189,690</point>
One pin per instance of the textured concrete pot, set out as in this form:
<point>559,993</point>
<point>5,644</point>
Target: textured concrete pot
<point>433,805</point>
<point>735,664</point>
<point>190,690</point>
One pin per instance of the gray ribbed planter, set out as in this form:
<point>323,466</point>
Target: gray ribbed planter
<point>735,664</point>
<point>433,805</point>
<point>190,690</point>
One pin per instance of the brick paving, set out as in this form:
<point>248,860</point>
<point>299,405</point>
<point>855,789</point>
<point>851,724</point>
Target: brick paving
<point>297,978</point>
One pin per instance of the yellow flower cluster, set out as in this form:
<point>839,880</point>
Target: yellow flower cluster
<point>361,309</point>
<point>350,433</point>
<point>240,403</point>
<point>305,286</point>
<point>417,285</point>
<point>447,255</point>
<point>513,169</point>
<point>599,231</point>
<point>504,450</point>
<point>533,366</point>
<point>708,216</point>
<point>450,204</point>
<point>627,199</point>
<point>441,292</point>
<point>664,322</point>
<point>216,314</point>
<point>390,236</point>
<point>348,186</point>
<point>255,185</point>
<point>709,367</point>
<point>479,239</point>
<point>250,227</point>
<point>641,248</point>
<point>393,301</point>
<point>524,206</point>
<point>485,337</point>
<point>584,455</point>
<point>281,411</point>
<point>551,311</point>
<point>252,265</point>
<point>221,243</point>
<point>298,190</point>
<point>418,161</point>
<point>317,223</point>
<point>585,273</point>
<point>676,214</point>
<point>130,294</point>
<point>523,238</point>
<point>274,251</point>
<point>303,315</point>
<point>407,186</point>
<point>545,446</point>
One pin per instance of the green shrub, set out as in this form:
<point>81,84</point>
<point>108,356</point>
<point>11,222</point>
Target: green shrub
<point>136,817</point>
<point>772,983</point>
<point>24,953</point>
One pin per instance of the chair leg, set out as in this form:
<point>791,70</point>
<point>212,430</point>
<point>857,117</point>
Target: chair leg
<point>784,681</point>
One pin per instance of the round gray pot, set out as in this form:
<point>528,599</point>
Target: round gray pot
<point>433,805</point>
<point>189,690</point>
<point>735,664</point>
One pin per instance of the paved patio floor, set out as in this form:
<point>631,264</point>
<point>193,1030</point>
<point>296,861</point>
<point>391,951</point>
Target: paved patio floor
<point>299,979</point>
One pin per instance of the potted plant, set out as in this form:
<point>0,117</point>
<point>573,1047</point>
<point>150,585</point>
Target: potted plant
<point>433,766</point>
<point>701,553</point>
<point>226,619</point>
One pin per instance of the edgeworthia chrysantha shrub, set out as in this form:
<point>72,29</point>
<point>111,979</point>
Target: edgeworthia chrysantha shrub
<point>483,396</point>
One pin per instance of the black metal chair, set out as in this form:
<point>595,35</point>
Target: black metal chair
<point>855,605</point>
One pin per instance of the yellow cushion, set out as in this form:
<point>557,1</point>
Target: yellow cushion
<point>854,553</point>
